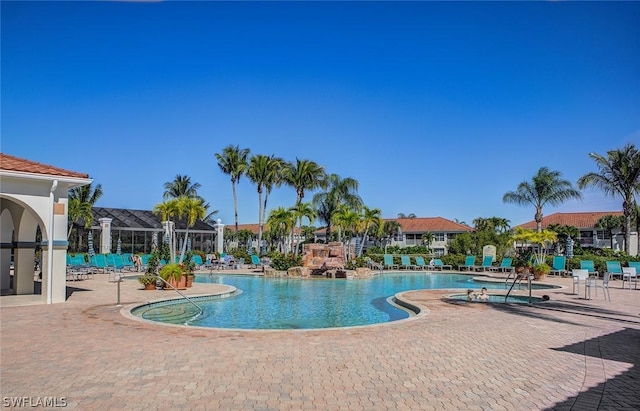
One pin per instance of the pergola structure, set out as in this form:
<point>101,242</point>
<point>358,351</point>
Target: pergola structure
<point>33,194</point>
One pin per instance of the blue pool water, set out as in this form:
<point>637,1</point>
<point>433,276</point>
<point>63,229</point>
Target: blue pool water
<point>289,303</point>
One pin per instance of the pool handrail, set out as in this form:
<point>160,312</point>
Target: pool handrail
<point>200,310</point>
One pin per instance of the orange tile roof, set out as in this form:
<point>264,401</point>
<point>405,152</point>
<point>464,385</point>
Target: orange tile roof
<point>423,224</point>
<point>579,220</point>
<point>432,224</point>
<point>11,163</point>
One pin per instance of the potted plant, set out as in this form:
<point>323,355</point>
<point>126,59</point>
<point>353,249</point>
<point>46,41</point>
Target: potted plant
<point>523,261</point>
<point>148,281</point>
<point>540,271</point>
<point>173,274</point>
<point>188,266</point>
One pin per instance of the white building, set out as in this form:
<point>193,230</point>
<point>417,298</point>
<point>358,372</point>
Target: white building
<point>31,195</point>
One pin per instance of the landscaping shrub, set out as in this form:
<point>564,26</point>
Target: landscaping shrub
<point>283,262</point>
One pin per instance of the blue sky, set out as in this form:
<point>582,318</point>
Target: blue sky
<point>436,108</point>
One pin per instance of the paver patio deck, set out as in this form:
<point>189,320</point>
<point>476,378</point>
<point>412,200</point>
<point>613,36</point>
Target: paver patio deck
<point>568,353</point>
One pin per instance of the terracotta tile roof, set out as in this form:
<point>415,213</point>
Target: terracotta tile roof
<point>11,163</point>
<point>579,220</point>
<point>423,224</point>
<point>432,224</point>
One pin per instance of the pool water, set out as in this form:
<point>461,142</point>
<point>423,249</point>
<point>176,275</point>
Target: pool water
<point>291,303</point>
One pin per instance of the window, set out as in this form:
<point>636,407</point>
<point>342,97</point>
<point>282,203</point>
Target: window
<point>603,235</point>
<point>439,236</point>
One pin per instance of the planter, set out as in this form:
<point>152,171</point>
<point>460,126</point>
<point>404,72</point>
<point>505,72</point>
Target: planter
<point>523,270</point>
<point>148,281</point>
<point>189,281</point>
<point>180,284</point>
<point>150,286</point>
<point>539,276</point>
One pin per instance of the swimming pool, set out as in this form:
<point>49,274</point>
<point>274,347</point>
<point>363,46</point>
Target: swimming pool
<point>292,303</point>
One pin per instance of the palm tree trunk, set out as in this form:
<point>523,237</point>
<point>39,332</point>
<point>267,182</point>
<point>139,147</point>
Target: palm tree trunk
<point>627,211</point>
<point>235,205</point>
<point>184,245</point>
<point>260,220</point>
<point>362,241</point>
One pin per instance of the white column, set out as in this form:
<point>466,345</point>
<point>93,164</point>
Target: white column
<point>105,236</point>
<point>633,244</point>
<point>219,236</point>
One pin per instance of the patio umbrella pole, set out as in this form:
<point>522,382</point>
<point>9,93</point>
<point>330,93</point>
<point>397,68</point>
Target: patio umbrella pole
<point>118,297</point>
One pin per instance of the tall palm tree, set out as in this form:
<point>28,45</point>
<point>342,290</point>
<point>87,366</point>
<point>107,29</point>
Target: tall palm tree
<point>166,211</point>
<point>77,210</point>
<point>233,161</point>
<point>618,175</point>
<point>180,186</point>
<point>348,222</point>
<point>301,211</point>
<point>339,191</point>
<point>500,225</point>
<point>546,187</point>
<point>192,208</point>
<point>81,201</point>
<point>389,229</point>
<point>610,222</point>
<point>428,238</point>
<point>368,218</point>
<point>263,171</point>
<point>87,194</point>
<point>279,223</point>
<point>304,175</point>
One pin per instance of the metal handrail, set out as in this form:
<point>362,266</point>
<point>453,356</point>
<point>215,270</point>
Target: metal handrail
<point>375,265</point>
<point>200,310</point>
<point>518,278</point>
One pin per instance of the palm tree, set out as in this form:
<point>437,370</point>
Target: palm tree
<point>166,211</point>
<point>500,225</point>
<point>610,222</point>
<point>208,218</point>
<point>300,211</point>
<point>389,229</point>
<point>348,221</point>
<point>428,238</point>
<point>368,217</point>
<point>263,171</point>
<point>280,222</point>
<point>81,201</point>
<point>192,208</point>
<point>564,233</point>
<point>546,187</point>
<point>339,191</point>
<point>403,215</point>
<point>180,186</point>
<point>618,175</point>
<point>304,175</point>
<point>233,161</point>
<point>79,209</point>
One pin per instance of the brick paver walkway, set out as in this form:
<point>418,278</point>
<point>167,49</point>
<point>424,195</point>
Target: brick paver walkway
<point>566,354</point>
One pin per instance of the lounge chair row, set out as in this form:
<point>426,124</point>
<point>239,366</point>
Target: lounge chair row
<point>487,264</point>
<point>405,263</point>
<point>614,268</point>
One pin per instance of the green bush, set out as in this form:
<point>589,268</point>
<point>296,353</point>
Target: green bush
<point>171,272</point>
<point>283,262</point>
<point>355,263</point>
